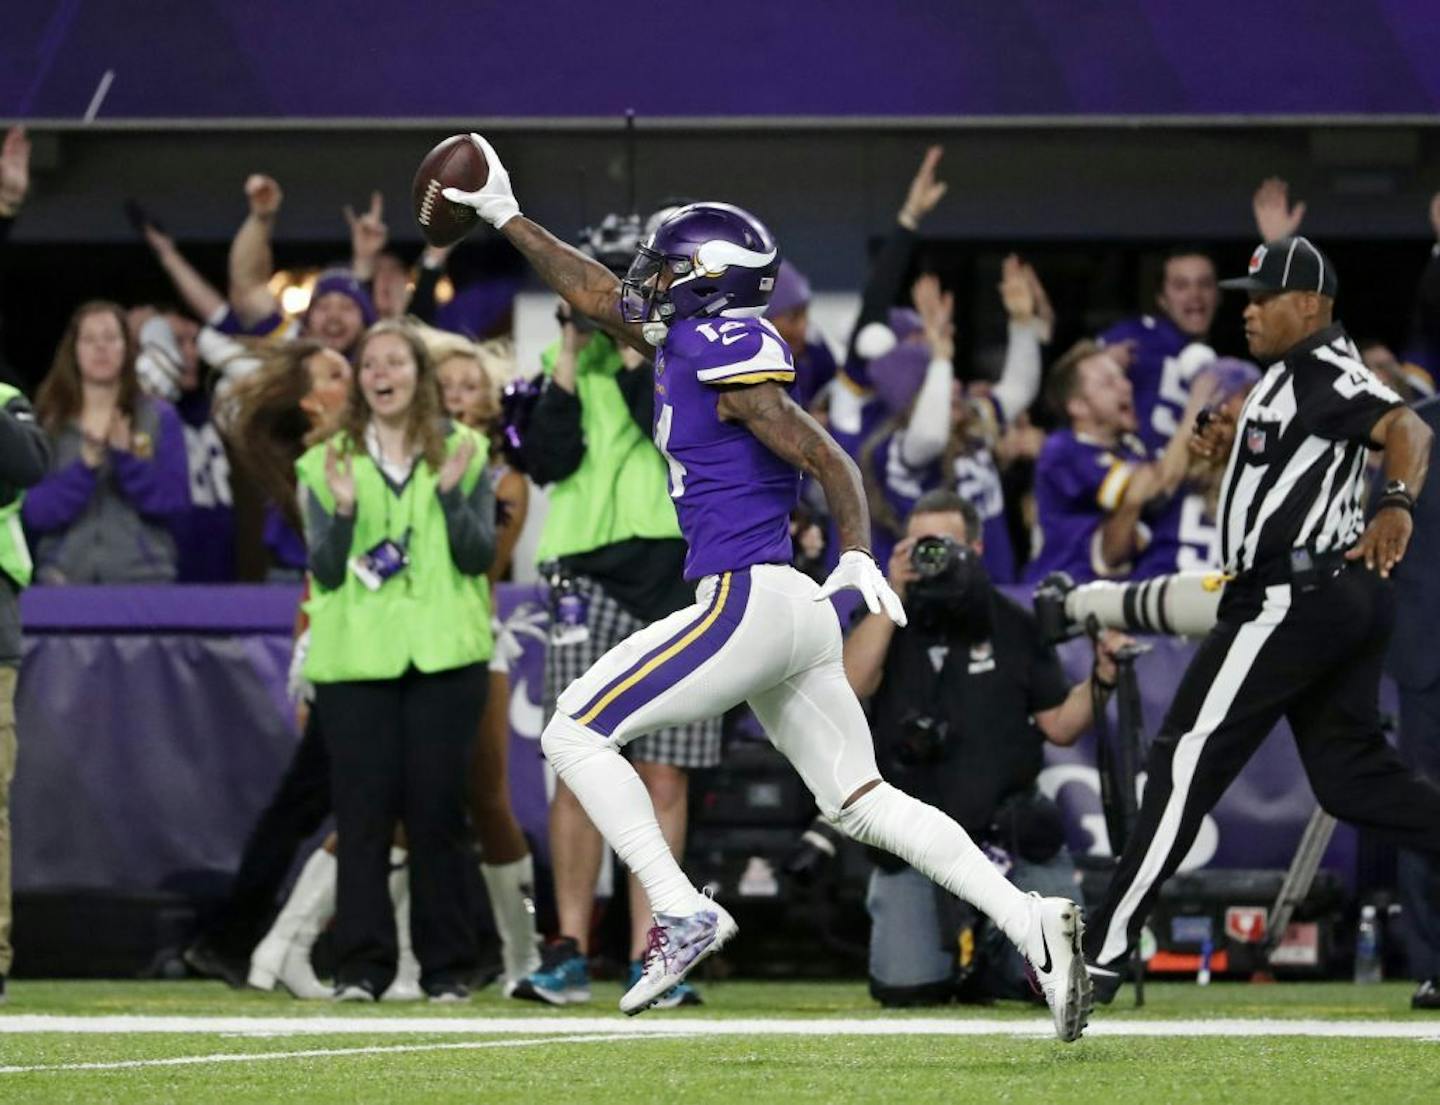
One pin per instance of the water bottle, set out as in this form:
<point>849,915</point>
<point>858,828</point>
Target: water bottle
<point>1367,946</point>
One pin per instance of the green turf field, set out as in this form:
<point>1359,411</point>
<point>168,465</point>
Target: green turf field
<point>752,1043</point>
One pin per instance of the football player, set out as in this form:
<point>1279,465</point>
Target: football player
<point>760,632</point>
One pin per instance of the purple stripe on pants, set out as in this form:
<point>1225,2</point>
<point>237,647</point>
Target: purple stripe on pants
<point>656,651</point>
<point>683,663</point>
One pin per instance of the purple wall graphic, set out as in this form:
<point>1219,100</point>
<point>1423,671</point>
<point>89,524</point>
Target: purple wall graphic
<point>154,725</point>
<point>211,59</point>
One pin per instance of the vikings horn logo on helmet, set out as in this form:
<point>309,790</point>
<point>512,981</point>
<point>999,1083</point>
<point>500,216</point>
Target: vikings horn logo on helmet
<point>721,261</point>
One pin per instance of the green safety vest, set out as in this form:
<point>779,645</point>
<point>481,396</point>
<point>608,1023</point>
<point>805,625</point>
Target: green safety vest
<point>430,615</point>
<point>15,559</point>
<point>621,489</point>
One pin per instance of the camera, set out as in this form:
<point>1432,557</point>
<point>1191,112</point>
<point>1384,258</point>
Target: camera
<point>1056,624</point>
<point>584,324</point>
<point>1184,604</point>
<point>923,740</point>
<point>952,595</point>
<point>934,557</point>
<point>517,406</point>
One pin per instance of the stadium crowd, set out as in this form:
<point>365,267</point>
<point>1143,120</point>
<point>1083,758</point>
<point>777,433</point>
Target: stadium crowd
<point>376,413</point>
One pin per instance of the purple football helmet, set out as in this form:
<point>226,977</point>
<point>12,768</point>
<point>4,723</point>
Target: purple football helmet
<point>722,262</point>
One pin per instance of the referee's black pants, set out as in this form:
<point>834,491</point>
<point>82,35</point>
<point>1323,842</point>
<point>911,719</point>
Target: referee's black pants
<point>400,750</point>
<point>1313,657</point>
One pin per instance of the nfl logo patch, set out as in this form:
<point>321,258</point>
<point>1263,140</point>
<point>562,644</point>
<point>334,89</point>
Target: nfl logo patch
<point>1257,259</point>
<point>1255,439</point>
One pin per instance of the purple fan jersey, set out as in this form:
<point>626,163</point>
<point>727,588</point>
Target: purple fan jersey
<point>977,479</point>
<point>1078,483</point>
<point>814,368</point>
<point>1183,537</point>
<point>1160,382</point>
<point>974,477</point>
<point>733,496</point>
<point>902,487</point>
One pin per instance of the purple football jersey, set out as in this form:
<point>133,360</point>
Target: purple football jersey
<point>814,368</point>
<point>901,485</point>
<point>977,479</point>
<point>974,477</point>
<point>854,412</point>
<point>1078,482</point>
<point>1158,377</point>
<point>733,496</point>
<point>1183,537</point>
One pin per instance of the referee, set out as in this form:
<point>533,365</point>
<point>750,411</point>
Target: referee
<point>1303,624</point>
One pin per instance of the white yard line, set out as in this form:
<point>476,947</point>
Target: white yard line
<point>656,1026</point>
<point>316,1053</point>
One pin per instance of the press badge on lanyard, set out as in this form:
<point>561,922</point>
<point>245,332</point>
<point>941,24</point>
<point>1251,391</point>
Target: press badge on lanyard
<point>381,562</point>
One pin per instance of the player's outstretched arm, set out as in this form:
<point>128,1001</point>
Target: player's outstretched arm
<point>791,434</point>
<point>588,286</point>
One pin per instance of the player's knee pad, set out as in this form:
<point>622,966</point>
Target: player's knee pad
<point>566,743</point>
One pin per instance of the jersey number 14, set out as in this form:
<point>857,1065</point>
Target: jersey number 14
<point>662,440</point>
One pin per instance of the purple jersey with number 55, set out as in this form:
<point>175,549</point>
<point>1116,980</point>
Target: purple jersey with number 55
<point>733,495</point>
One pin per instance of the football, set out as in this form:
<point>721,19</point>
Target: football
<point>454,163</point>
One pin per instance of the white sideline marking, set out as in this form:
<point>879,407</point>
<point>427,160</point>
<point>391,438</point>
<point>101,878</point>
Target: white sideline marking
<point>317,1053</point>
<point>1417,1029</point>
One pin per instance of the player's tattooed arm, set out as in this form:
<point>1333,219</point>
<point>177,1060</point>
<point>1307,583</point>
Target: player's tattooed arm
<point>791,434</point>
<point>588,286</point>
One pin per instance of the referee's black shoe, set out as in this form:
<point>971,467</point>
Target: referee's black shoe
<point>1427,996</point>
<point>1104,982</point>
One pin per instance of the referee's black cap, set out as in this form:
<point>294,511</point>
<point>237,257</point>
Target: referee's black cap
<point>1288,265</point>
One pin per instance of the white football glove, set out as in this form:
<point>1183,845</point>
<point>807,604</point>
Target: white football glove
<point>858,570</point>
<point>495,203</point>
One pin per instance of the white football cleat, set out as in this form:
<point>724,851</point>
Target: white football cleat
<point>676,947</point>
<point>1054,951</point>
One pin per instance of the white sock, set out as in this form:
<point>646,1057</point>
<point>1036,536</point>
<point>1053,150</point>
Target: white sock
<point>619,806</point>
<point>511,887</point>
<point>941,850</point>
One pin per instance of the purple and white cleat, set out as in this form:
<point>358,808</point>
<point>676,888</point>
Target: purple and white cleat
<point>676,945</point>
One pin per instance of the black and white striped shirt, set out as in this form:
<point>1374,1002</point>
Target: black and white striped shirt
<point>1296,476</point>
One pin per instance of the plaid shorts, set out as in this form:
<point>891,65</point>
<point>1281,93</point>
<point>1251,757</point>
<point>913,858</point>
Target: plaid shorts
<point>694,745</point>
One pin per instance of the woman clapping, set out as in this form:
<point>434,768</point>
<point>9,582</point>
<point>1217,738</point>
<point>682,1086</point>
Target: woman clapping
<point>400,524</point>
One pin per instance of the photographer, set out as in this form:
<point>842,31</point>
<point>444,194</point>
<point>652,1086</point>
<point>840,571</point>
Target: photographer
<point>961,702</point>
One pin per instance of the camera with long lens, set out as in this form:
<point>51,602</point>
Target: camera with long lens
<point>1184,604</point>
